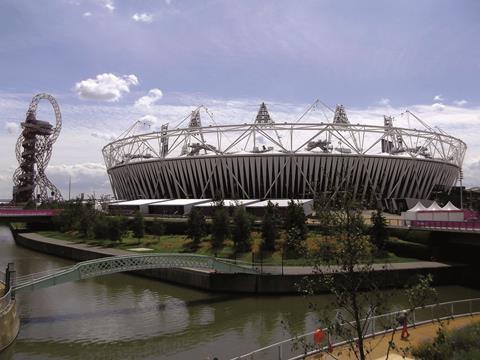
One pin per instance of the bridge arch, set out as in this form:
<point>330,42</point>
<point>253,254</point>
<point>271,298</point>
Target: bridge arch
<point>110,265</point>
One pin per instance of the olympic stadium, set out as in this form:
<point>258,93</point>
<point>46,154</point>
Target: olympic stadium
<point>267,159</point>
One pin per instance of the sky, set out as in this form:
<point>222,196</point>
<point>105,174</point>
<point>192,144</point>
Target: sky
<point>110,63</point>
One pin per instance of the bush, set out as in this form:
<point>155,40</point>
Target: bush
<point>459,344</point>
<point>101,228</point>
<point>117,228</point>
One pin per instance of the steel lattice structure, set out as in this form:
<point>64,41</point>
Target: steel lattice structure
<point>299,159</point>
<point>36,139</point>
<point>115,264</point>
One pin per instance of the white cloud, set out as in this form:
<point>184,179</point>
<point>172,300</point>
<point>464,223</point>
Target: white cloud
<point>104,136</point>
<point>109,5</point>
<point>145,102</point>
<point>12,127</point>
<point>438,98</point>
<point>460,102</point>
<point>438,106</point>
<point>384,101</point>
<point>88,177</point>
<point>148,120</point>
<point>143,17</point>
<point>168,2</point>
<point>87,122</point>
<point>87,14</point>
<point>107,87</point>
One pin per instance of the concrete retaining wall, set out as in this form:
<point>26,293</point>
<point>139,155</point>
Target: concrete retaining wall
<point>232,283</point>
<point>9,323</point>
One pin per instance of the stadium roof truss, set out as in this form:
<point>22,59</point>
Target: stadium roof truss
<point>338,138</point>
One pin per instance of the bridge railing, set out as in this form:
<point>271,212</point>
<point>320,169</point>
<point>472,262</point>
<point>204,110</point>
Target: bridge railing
<point>5,300</point>
<point>303,345</point>
<point>5,296</point>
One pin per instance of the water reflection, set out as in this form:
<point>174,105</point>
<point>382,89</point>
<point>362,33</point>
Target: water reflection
<point>127,317</point>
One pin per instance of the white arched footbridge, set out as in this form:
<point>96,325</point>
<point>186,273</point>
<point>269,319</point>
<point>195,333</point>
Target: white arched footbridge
<point>115,264</point>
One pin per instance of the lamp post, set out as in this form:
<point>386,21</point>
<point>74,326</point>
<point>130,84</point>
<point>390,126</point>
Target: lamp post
<point>461,189</point>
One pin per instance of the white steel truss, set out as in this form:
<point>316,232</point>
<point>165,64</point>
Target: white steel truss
<point>291,160</point>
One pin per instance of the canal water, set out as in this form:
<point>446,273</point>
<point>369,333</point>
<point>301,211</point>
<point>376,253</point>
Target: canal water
<point>128,317</point>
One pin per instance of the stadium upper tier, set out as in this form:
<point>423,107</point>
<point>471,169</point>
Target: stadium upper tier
<point>267,159</point>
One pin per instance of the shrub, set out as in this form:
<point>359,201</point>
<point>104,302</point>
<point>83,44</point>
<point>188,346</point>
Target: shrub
<point>459,344</point>
<point>101,227</point>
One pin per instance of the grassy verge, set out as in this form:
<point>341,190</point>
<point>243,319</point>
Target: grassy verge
<point>181,244</point>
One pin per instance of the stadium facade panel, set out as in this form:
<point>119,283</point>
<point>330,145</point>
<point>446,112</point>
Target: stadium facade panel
<point>266,160</point>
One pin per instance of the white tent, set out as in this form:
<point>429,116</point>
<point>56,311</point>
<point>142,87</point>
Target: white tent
<point>450,207</point>
<point>411,214</point>
<point>434,207</point>
<point>417,207</point>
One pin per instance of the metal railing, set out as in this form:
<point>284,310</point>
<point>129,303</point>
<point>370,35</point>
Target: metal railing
<point>5,300</point>
<point>301,346</point>
<point>124,263</point>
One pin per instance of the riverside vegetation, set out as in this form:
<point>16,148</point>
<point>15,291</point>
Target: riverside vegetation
<point>277,238</point>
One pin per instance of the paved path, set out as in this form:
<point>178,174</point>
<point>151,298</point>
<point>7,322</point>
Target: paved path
<point>305,270</point>
<point>73,245</point>
<point>378,345</point>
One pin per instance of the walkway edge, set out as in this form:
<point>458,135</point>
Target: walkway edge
<point>216,282</point>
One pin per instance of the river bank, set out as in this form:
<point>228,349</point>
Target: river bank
<point>121,316</point>
<point>272,281</point>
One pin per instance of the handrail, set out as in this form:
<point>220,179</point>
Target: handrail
<point>124,263</point>
<point>6,298</point>
<point>280,350</point>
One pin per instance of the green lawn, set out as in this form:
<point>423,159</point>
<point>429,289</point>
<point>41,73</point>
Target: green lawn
<point>181,244</point>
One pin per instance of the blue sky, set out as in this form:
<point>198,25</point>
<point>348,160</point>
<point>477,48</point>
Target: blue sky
<point>382,55</point>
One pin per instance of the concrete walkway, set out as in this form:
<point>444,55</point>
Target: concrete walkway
<point>378,346</point>
<point>78,246</point>
<point>305,270</point>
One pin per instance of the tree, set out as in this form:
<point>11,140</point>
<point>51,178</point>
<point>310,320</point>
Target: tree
<point>138,225</point>
<point>378,231</point>
<point>220,226</point>
<point>101,227</point>
<point>196,226</point>
<point>114,229</point>
<point>295,228</point>
<point>86,215</point>
<point>241,229</point>
<point>345,269</point>
<point>270,227</point>
<point>295,219</point>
